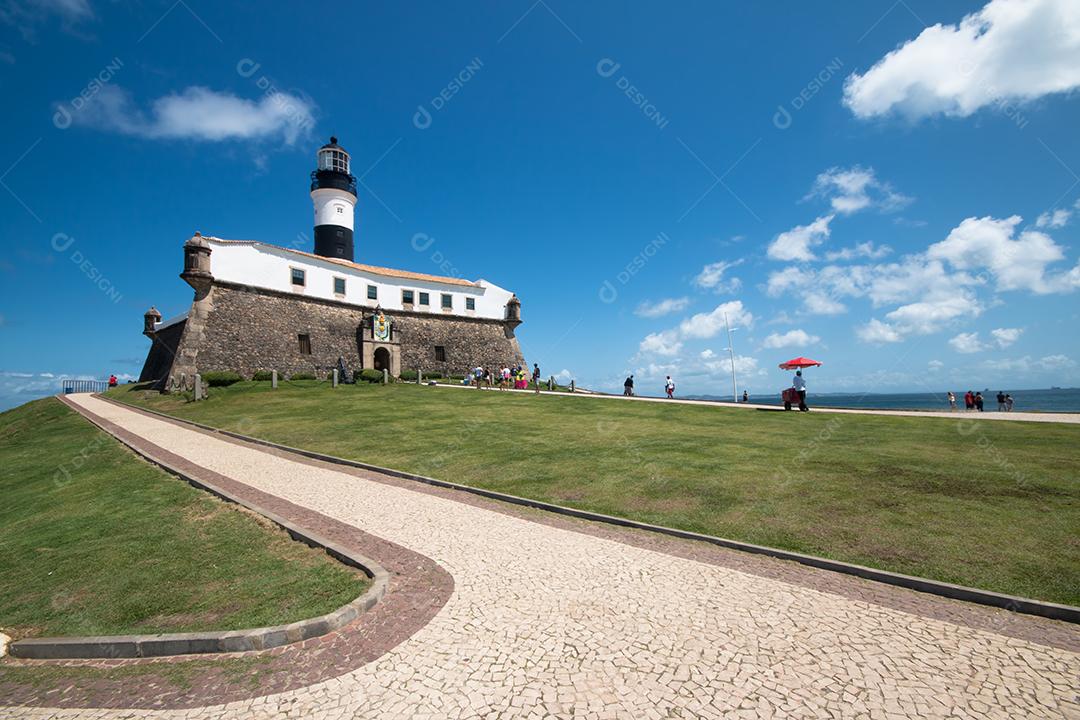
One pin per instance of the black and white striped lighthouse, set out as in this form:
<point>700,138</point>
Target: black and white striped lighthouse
<point>333,193</point>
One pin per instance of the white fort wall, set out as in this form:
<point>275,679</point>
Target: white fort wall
<point>267,266</point>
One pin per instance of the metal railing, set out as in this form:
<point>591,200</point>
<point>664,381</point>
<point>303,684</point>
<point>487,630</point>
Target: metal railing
<point>84,386</point>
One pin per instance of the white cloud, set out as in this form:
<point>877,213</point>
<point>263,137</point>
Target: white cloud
<point>706,354</point>
<point>935,365</point>
<point>1004,337</point>
<point>792,338</point>
<point>711,277</point>
<point>933,313</point>
<point>707,325</point>
<point>664,343</point>
<point>1028,364</point>
<point>861,250</point>
<point>850,190</point>
<point>877,332</point>
<point>1053,220</point>
<point>662,307</point>
<point>564,376</point>
<point>967,343</point>
<point>1009,51</point>
<point>1018,263</point>
<point>796,243</point>
<point>198,113</point>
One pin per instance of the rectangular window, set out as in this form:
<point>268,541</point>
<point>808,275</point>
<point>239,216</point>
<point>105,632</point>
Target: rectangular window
<point>447,301</point>
<point>372,292</point>
<point>425,299</point>
<point>339,286</point>
<point>440,353</point>
<point>470,303</point>
<point>407,297</point>
<point>298,277</point>
<point>305,344</point>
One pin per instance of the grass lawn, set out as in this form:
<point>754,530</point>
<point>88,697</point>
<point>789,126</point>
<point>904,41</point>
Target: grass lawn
<point>989,504</point>
<point>94,541</point>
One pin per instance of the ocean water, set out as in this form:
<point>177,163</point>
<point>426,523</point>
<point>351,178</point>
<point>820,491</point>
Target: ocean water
<point>1046,400</point>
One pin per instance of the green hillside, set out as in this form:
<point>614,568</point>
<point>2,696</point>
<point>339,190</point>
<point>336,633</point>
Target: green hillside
<point>95,541</point>
<point>989,504</point>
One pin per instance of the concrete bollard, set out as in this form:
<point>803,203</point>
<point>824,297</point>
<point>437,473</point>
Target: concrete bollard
<point>200,392</point>
<point>273,379</point>
<point>385,376</point>
<point>419,377</point>
<point>334,382</point>
<point>571,386</point>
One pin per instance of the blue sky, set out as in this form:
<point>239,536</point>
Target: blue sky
<point>888,188</point>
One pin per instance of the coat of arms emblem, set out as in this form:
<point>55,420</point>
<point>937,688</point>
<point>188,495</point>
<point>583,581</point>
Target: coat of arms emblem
<point>381,328</point>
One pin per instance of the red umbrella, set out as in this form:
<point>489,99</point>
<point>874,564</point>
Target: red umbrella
<point>799,362</point>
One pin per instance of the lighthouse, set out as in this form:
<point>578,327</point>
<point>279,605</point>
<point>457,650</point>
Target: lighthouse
<point>333,193</point>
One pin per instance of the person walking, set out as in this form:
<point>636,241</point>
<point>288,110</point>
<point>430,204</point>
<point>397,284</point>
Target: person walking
<point>952,401</point>
<point>478,377</point>
<point>1001,401</point>
<point>800,387</point>
<point>628,386</point>
<point>504,378</point>
<point>1008,402</point>
<point>979,401</point>
<point>536,377</point>
<point>669,388</point>
<point>969,401</point>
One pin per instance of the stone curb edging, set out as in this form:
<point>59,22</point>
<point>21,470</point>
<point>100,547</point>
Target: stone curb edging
<point>264,638</point>
<point>1028,606</point>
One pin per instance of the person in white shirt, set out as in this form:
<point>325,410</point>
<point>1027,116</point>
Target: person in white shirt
<point>669,387</point>
<point>800,387</point>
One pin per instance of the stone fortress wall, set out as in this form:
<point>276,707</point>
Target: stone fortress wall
<point>245,329</point>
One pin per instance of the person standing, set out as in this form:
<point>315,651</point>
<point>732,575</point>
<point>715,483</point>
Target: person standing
<point>536,377</point>
<point>1008,402</point>
<point>1001,401</point>
<point>628,386</point>
<point>969,401</point>
<point>113,381</point>
<point>952,401</point>
<point>669,387</point>
<point>478,377</point>
<point>745,396</point>
<point>800,387</point>
<point>979,401</point>
<point>504,378</point>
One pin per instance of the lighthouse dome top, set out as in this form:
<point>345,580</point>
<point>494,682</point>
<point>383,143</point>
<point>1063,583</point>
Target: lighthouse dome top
<point>333,157</point>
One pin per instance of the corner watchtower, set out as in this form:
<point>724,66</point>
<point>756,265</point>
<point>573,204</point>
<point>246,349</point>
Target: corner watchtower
<point>333,193</point>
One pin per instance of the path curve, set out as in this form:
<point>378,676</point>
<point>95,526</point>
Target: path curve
<point>547,621</point>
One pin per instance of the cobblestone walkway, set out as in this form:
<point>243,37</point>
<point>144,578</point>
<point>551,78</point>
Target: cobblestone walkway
<point>545,621</point>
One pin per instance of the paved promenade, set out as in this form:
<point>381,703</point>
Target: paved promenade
<point>1071,418</point>
<point>549,621</point>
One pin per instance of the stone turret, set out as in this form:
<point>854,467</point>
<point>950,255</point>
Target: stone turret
<point>513,311</point>
<point>150,319</point>
<point>197,264</point>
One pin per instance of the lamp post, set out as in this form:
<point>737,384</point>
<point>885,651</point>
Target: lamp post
<point>731,354</point>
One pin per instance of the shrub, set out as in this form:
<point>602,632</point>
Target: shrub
<point>221,378</point>
<point>433,375</point>
<point>408,375</point>
<point>263,375</point>
<point>302,376</point>
<point>459,378</point>
<point>368,375</point>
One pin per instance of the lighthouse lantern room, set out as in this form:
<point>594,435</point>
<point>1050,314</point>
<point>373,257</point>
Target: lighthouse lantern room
<point>333,193</point>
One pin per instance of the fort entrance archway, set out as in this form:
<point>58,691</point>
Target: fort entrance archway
<point>381,359</point>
